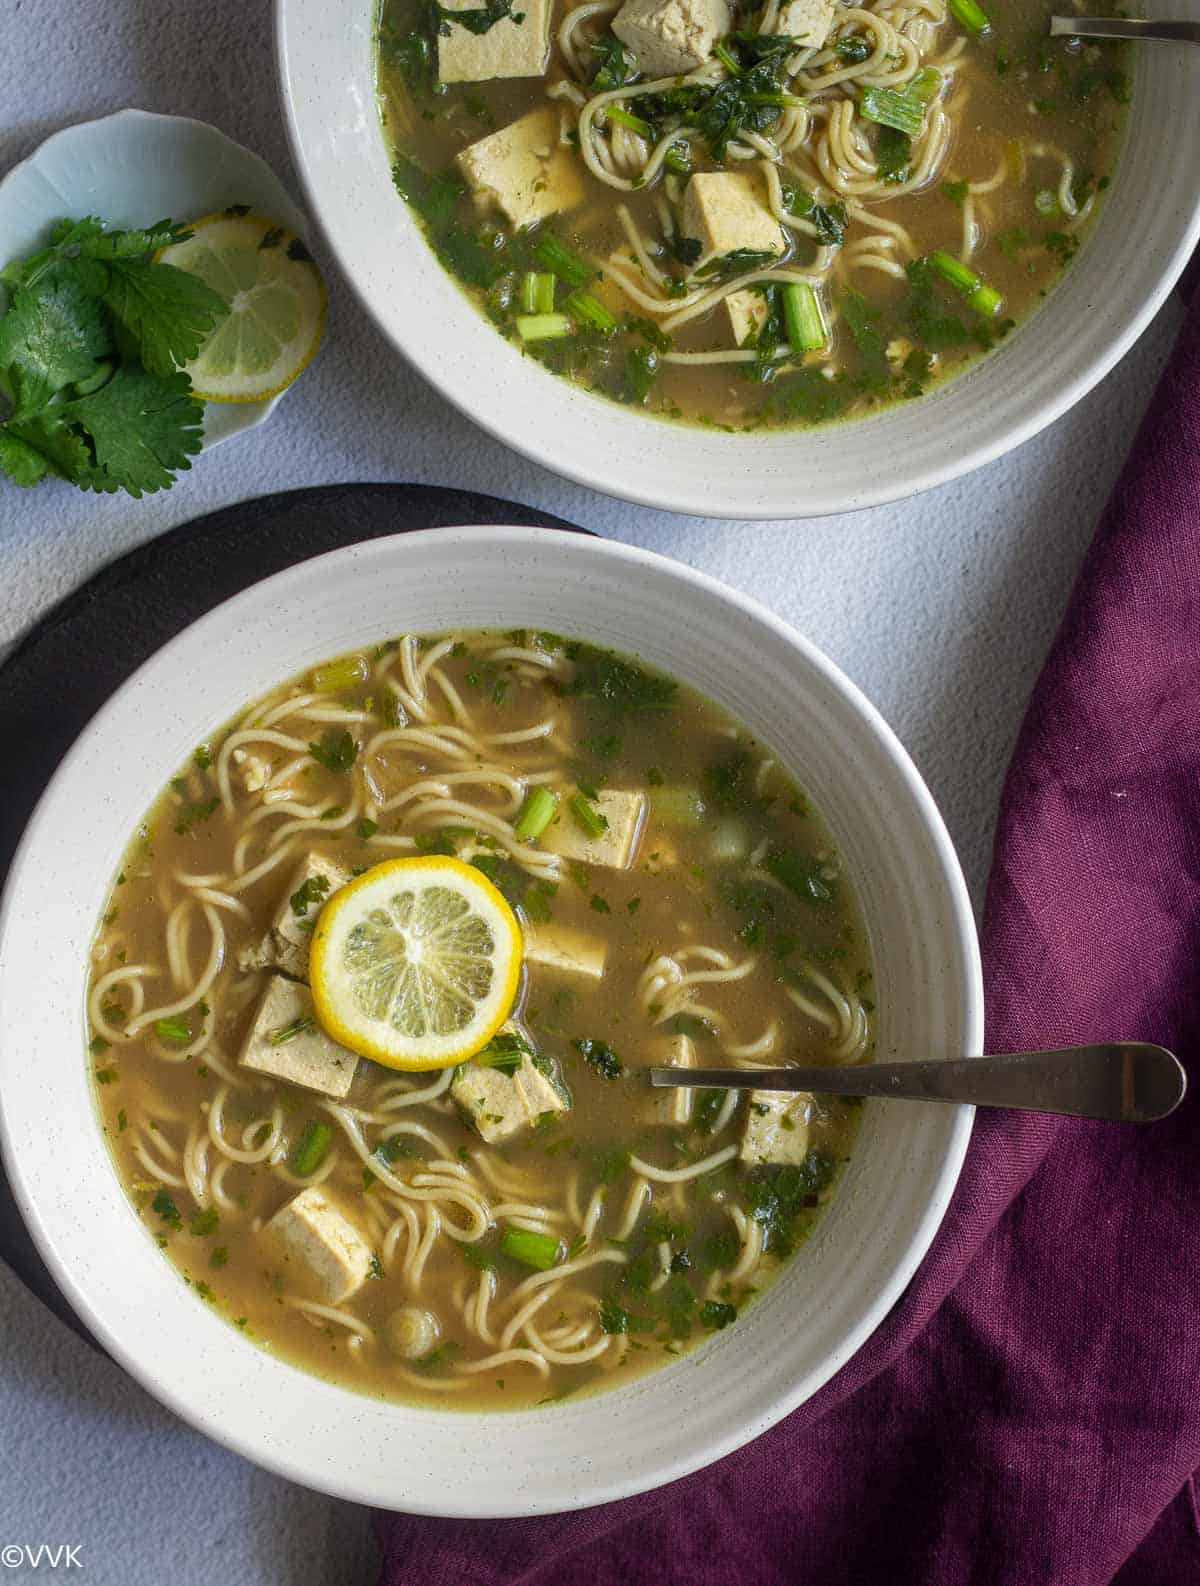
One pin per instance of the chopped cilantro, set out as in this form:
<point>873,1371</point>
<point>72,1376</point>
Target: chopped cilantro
<point>620,685</point>
<point>600,1056</point>
<point>305,896</point>
<point>715,1315</point>
<point>192,813</point>
<point>336,751</point>
<point>166,1209</point>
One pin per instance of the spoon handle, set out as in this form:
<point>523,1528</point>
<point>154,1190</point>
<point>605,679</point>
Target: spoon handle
<point>1124,28</point>
<point>1126,1081</point>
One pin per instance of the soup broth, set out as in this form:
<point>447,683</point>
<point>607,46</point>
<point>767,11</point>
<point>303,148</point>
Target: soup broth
<point>615,1226</point>
<point>781,234</point>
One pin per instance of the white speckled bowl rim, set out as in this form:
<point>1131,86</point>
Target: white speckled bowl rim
<point>1146,233</point>
<point>579,1452</point>
<point>131,169</point>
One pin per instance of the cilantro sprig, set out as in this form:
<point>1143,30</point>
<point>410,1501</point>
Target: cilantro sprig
<point>91,344</point>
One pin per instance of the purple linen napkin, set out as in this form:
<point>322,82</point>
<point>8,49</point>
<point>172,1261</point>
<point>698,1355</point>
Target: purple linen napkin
<point>1030,1412</point>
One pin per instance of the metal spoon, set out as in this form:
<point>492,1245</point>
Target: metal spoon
<point>1126,1081</point>
<point>1124,28</point>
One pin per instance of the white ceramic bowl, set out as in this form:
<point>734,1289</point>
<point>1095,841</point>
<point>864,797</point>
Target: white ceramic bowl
<point>582,1451</point>
<point>131,169</point>
<point>1105,300</point>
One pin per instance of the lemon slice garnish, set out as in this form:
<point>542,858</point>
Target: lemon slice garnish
<point>277,306</point>
<point>416,963</point>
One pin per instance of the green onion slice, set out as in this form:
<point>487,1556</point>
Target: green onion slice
<point>535,815</point>
<point>540,1251</point>
<point>588,816</point>
<point>543,327</point>
<point>337,676</point>
<point>802,315</point>
<point>311,1149</point>
<point>968,14</point>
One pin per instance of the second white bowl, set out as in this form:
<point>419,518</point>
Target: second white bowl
<point>1091,319</point>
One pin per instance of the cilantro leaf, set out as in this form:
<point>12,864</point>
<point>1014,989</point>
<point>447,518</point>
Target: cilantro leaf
<point>335,750</point>
<point>715,1315</point>
<point>23,463</point>
<point>893,154</point>
<point>601,1057</point>
<point>143,428</point>
<point>62,448</point>
<point>49,339</point>
<point>103,244</point>
<point>480,20</point>
<point>617,64</point>
<point>862,321</point>
<point>739,262</point>
<point>168,313</point>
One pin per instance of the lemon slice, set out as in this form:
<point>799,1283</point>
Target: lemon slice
<point>416,963</point>
<point>277,306</point>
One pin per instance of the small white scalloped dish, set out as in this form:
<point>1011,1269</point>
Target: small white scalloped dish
<point>131,169</point>
<point>841,1284</point>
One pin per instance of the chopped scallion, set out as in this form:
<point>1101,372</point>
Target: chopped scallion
<point>337,676</point>
<point>983,299</point>
<point>587,815</point>
<point>176,1031</point>
<point>311,1149</point>
<point>802,315</point>
<point>970,15</point>
<point>304,1025</point>
<point>887,108</point>
<point>555,256</point>
<point>925,86</point>
<point>536,814</point>
<point>626,118</point>
<point>1045,202</point>
<point>678,158</point>
<point>728,60</point>
<point>543,327</point>
<point>589,310</point>
<point>959,275</point>
<point>540,1251</point>
<point>537,293</point>
<point>986,300</point>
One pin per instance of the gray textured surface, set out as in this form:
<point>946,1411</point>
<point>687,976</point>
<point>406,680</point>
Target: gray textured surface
<point>941,609</point>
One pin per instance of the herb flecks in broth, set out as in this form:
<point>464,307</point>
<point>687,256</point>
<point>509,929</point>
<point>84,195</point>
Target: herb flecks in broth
<point>537,1220</point>
<point>800,213</point>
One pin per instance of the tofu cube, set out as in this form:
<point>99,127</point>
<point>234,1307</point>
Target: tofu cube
<point>809,22</point>
<point>324,1243</point>
<point>498,1105</point>
<point>524,170</point>
<point>560,947</point>
<point>309,1057</point>
<point>614,846</point>
<point>776,1127</point>
<point>509,48</point>
<point>728,213</point>
<point>747,310</point>
<point>671,37</point>
<point>674,1107</point>
<point>286,944</point>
